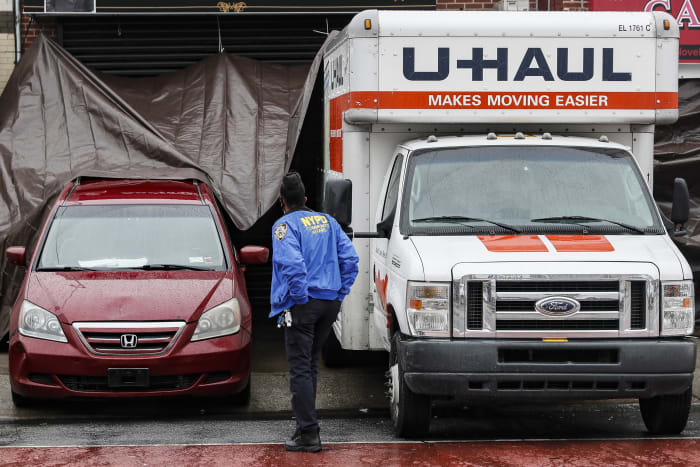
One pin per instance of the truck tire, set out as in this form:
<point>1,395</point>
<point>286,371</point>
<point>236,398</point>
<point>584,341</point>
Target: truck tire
<point>410,412</point>
<point>334,356</point>
<point>666,415</point>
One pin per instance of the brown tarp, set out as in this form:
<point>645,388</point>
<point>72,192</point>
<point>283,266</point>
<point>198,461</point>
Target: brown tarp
<point>231,121</point>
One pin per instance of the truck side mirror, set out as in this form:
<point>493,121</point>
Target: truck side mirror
<point>680,210</point>
<point>337,201</point>
<point>384,227</point>
<point>17,255</point>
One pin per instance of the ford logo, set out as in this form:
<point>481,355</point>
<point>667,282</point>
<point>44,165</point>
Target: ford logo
<point>557,306</point>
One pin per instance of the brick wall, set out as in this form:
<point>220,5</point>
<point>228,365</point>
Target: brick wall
<point>7,47</point>
<point>32,27</point>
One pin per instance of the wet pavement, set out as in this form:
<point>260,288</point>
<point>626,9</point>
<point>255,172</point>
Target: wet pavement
<point>551,453</point>
<point>578,434</point>
<point>356,429</point>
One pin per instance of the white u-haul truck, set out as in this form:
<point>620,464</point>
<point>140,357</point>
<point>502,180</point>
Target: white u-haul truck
<point>500,167</point>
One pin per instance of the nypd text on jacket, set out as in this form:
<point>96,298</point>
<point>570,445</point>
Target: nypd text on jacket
<point>311,257</point>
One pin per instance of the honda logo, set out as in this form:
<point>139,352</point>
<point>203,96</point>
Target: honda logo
<point>129,341</point>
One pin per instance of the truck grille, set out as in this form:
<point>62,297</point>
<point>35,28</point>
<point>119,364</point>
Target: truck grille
<point>129,338</point>
<point>509,305</point>
<point>475,305</point>
<point>558,286</point>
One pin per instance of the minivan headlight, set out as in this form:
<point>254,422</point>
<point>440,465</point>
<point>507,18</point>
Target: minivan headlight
<point>36,322</point>
<point>677,308</point>
<point>428,308</point>
<point>222,320</point>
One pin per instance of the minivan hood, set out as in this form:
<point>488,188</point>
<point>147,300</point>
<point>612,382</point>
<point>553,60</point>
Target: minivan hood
<point>129,295</point>
<point>440,253</point>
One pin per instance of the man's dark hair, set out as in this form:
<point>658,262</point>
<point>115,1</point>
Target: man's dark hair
<point>293,190</point>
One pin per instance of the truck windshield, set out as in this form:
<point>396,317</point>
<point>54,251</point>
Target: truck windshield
<point>511,189</point>
<point>132,237</point>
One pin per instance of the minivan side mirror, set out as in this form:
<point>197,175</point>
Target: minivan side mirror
<point>680,211</point>
<point>253,254</point>
<point>17,255</point>
<point>337,201</point>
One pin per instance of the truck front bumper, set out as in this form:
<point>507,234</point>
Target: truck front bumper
<point>578,369</point>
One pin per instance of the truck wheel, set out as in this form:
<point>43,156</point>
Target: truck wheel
<point>410,412</point>
<point>334,356</point>
<point>21,401</point>
<point>666,415</point>
<point>241,398</point>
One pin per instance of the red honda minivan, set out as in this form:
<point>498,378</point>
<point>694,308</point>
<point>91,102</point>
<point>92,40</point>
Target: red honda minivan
<point>134,289</point>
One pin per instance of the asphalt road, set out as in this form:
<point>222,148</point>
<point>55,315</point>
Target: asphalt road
<point>489,423</point>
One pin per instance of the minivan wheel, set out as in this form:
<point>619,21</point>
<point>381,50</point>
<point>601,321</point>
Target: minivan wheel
<point>666,415</point>
<point>21,401</point>
<point>410,412</point>
<point>241,398</point>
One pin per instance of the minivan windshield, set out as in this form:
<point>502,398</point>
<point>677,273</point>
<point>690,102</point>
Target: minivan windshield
<point>132,237</point>
<point>515,189</point>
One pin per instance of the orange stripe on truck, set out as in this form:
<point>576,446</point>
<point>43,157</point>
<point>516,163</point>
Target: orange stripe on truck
<point>467,100</point>
<point>513,243</point>
<point>580,243</point>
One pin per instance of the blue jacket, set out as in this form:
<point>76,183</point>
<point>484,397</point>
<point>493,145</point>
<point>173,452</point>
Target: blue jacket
<point>311,257</point>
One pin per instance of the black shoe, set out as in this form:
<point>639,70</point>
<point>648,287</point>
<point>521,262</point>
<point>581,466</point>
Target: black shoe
<point>307,441</point>
<point>297,433</point>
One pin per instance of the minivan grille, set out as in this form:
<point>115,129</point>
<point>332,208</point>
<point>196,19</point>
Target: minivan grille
<point>129,338</point>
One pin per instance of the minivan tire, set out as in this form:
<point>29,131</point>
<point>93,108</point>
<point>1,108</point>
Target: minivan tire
<point>21,401</point>
<point>241,398</point>
<point>411,414</point>
<point>668,414</point>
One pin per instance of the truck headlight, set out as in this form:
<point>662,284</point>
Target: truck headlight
<point>428,308</point>
<point>222,320</point>
<point>36,322</point>
<point>677,308</point>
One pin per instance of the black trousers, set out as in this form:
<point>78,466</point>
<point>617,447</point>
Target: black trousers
<point>311,324</point>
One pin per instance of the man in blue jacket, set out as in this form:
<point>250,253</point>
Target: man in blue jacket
<point>313,266</point>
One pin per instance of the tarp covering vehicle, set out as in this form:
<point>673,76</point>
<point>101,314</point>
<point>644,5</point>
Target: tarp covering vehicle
<point>231,121</point>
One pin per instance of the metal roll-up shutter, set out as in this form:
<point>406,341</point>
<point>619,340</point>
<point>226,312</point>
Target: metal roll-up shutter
<point>151,45</point>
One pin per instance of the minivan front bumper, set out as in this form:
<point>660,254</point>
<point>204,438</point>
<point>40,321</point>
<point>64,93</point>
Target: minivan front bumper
<point>44,369</point>
<point>577,369</point>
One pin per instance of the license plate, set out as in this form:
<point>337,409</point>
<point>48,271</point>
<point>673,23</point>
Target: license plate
<point>128,378</point>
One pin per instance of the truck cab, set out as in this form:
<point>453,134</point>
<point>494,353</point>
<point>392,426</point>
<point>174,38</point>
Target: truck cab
<point>527,267</point>
<point>494,169</point>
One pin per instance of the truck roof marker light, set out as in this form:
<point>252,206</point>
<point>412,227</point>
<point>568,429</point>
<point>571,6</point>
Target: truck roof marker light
<point>519,135</point>
<point>555,339</point>
<point>547,136</point>
<point>368,24</point>
<point>432,139</point>
<point>667,25</point>
<point>491,136</point>
<point>603,139</point>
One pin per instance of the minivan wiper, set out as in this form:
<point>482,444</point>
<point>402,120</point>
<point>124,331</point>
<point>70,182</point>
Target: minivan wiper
<point>578,219</point>
<point>151,267</point>
<point>460,219</point>
<point>64,268</point>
